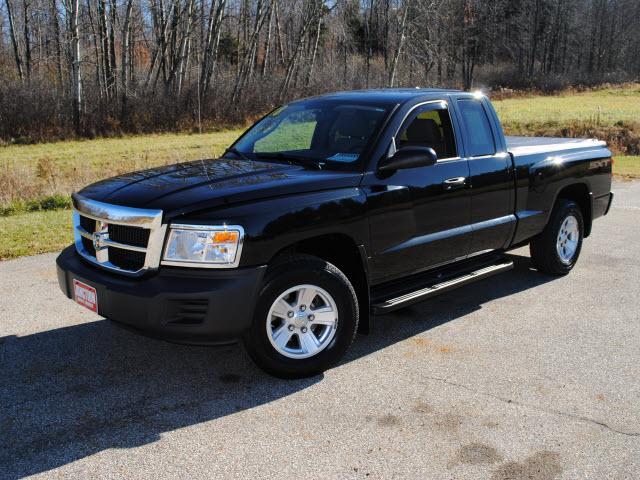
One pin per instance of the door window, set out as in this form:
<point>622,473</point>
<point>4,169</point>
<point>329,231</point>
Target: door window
<point>479,140</point>
<point>429,127</point>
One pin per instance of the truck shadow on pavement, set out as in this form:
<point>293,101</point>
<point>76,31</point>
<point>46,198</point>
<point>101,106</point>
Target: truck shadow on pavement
<point>72,392</point>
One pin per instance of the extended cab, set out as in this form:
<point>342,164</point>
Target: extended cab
<point>325,211</point>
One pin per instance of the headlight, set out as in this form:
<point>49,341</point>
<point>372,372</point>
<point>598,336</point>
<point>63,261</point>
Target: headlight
<point>203,246</point>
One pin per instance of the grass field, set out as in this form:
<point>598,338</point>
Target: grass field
<point>36,232</point>
<point>29,172</point>
<point>606,107</point>
<point>125,151</point>
<point>610,114</point>
<point>627,166</point>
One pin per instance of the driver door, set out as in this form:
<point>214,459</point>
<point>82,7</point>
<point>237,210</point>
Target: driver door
<point>420,217</point>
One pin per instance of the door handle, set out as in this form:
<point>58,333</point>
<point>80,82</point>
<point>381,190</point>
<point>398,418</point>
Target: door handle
<point>455,182</point>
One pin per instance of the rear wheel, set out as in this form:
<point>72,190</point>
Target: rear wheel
<point>305,318</point>
<point>556,250</point>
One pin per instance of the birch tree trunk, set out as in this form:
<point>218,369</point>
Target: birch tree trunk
<point>182,53</point>
<point>369,24</point>
<point>245,68</point>
<point>14,41</point>
<point>124,53</point>
<point>315,51</point>
<point>396,56</point>
<point>105,56</point>
<point>267,42</point>
<point>76,76</point>
<point>293,61</point>
<point>56,41</point>
<point>280,47</point>
<point>113,65</point>
<point>210,55</point>
<point>27,37</point>
<point>96,48</point>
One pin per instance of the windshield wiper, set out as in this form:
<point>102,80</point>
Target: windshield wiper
<point>294,159</point>
<point>236,152</point>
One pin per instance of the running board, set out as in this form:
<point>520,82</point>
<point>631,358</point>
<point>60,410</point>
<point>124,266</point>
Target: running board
<point>407,299</point>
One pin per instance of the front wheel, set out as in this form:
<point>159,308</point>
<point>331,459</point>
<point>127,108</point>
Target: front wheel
<point>305,319</point>
<point>556,250</point>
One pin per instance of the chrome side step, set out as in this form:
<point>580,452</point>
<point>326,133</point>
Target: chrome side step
<point>391,304</point>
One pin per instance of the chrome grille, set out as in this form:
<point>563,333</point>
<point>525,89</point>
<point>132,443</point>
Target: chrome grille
<point>122,239</point>
<point>136,236</point>
<point>126,259</point>
<point>89,224</point>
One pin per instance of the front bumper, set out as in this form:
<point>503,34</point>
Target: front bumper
<point>184,305</point>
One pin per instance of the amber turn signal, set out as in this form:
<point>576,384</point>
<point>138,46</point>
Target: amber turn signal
<point>224,237</point>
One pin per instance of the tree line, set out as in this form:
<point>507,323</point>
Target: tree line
<point>98,67</point>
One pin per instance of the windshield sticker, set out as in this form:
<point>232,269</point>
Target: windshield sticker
<point>344,157</point>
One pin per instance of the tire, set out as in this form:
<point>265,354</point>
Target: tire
<point>556,250</point>
<point>279,340</point>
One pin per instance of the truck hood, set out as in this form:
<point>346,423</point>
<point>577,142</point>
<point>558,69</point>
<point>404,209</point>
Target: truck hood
<point>189,187</point>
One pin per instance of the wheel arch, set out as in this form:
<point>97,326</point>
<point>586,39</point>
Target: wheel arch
<point>342,251</point>
<point>579,193</point>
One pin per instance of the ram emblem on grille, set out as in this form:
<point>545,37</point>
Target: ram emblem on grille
<point>99,238</point>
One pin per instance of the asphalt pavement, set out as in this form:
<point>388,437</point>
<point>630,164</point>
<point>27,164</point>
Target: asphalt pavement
<point>521,376</point>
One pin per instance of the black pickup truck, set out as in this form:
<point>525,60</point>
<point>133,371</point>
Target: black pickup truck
<point>326,211</point>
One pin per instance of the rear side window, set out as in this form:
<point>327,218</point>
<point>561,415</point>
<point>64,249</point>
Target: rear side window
<point>476,123</point>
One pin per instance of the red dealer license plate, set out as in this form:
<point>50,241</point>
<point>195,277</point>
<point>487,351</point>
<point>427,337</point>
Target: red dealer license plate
<point>85,295</point>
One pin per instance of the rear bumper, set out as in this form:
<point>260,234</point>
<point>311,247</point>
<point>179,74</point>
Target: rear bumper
<point>184,305</point>
<point>609,203</point>
<point>602,204</point>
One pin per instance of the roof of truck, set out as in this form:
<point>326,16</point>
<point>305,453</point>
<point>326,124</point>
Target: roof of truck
<point>387,95</point>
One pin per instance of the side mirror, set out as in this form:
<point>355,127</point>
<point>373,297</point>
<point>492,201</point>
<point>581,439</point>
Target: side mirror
<point>409,157</point>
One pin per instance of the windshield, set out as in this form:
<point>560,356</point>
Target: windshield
<point>322,132</point>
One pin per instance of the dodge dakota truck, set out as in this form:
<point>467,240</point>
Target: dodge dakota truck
<point>325,212</point>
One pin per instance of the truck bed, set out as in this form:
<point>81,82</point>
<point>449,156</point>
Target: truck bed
<point>531,145</point>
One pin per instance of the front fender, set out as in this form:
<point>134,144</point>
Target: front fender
<point>272,224</point>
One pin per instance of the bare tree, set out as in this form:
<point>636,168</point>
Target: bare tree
<point>14,40</point>
<point>26,21</point>
<point>396,56</point>
<point>124,55</point>
<point>73,13</point>
<point>130,65</point>
<point>211,44</point>
<point>56,41</point>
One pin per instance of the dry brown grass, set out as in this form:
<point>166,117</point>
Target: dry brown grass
<point>34,171</point>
